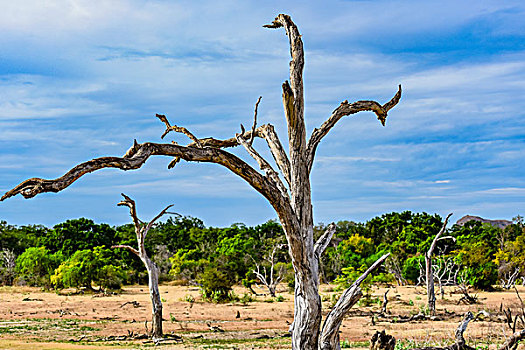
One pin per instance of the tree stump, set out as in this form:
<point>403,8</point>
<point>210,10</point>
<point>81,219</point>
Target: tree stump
<point>382,341</point>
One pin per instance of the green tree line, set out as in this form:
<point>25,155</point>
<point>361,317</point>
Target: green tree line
<point>77,253</point>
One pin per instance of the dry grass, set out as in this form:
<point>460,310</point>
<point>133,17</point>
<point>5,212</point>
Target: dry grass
<point>29,316</point>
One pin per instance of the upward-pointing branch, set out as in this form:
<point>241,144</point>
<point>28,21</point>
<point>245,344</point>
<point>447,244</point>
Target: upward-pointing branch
<point>438,237</point>
<point>293,102</point>
<point>324,240</point>
<point>130,203</point>
<point>329,338</point>
<point>347,109</point>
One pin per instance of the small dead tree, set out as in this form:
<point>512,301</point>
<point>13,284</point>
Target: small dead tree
<point>445,273</point>
<point>463,288</point>
<point>141,230</point>
<point>460,343</point>
<point>268,277</point>
<point>289,193</point>
<point>393,266</point>
<point>431,295</point>
<point>510,278</point>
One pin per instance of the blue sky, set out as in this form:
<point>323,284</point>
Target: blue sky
<point>82,79</point>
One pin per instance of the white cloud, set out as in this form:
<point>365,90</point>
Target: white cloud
<point>83,78</point>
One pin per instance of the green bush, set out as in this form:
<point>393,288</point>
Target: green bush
<point>216,286</point>
<point>36,265</point>
<point>87,267</point>
<point>411,268</point>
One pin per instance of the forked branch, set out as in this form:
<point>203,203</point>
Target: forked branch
<point>138,154</point>
<point>266,132</point>
<point>271,174</point>
<point>130,203</point>
<point>176,128</point>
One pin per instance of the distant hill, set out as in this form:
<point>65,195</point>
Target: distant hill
<point>498,223</point>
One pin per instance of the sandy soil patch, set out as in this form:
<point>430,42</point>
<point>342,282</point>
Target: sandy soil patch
<point>29,316</point>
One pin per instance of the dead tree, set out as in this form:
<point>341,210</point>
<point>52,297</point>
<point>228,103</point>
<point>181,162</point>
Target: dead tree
<point>445,273</point>
<point>510,278</point>
<point>141,230</point>
<point>460,343</point>
<point>392,265</point>
<point>382,341</point>
<point>463,288</point>
<point>268,277</point>
<point>431,295</point>
<point>289,192</point>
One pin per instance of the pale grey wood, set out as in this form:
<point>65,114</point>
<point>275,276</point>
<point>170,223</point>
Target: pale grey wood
<point>141,231</point>
<point>329,338</point>
<point>431,295</point>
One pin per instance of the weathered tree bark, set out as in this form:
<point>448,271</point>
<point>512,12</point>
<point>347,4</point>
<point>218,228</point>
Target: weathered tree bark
<point>141,230</point>
<point>330,333</point>
<point>292,203</point>
<point>431,295</point>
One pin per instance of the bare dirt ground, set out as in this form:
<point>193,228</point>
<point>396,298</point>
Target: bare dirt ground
<point>32,319</point>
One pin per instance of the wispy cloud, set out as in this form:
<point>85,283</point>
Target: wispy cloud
<point>88,84</point>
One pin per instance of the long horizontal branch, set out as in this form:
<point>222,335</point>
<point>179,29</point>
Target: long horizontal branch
<point>343,110</point>
<point>138,154</point>
<point>131,249</point>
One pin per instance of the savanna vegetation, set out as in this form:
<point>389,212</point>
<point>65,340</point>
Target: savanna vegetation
<point>77,253</point>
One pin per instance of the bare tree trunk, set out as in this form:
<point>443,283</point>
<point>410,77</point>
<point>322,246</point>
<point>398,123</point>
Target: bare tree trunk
<point>431,295</point>
<point>290,199</point>
<point>156,302</point>
<point>141,231</point>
